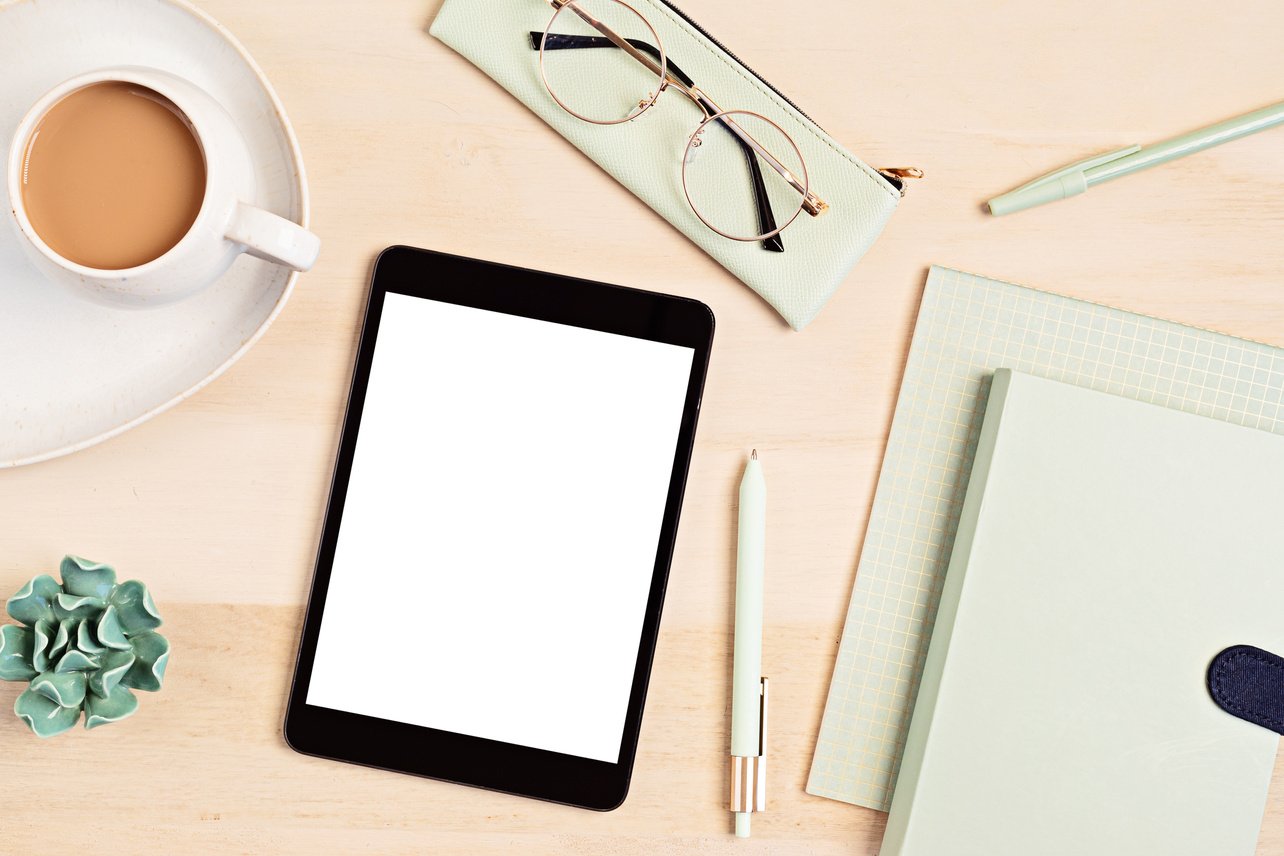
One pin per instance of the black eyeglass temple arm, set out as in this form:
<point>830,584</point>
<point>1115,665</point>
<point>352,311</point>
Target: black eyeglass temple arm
<point>557,42</point>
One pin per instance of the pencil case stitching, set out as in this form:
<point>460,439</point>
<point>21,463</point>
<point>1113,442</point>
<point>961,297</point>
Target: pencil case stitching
<point>1232,706</point>
<point>810,128</point>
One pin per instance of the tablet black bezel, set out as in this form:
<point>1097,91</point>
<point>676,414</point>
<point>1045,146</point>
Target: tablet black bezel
<point>461,758</point>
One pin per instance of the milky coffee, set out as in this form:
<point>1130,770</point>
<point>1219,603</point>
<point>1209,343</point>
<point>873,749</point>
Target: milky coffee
<point>113,176</point>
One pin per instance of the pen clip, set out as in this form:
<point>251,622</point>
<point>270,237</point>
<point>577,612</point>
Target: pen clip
<point>749,772</point>
<point>1065,182</point>
<point>1079,166</point>
<point>762,720</point>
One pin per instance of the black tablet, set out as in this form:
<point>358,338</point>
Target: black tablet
<point>500,525</point>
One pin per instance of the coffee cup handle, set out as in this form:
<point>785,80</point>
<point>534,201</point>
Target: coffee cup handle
<point>268,236</point>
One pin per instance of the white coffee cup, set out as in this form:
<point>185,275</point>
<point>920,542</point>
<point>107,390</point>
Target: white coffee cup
<point>226,225</point>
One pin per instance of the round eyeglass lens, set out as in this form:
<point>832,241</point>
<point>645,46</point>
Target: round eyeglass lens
<point>587,58</point>
<point>743,175</point>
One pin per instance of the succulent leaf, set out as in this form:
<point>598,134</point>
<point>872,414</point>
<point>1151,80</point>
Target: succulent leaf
<point>135,608</point>
<point>61,637</point>
<point>151,652</point>
<point>76,661</point>
<point>16,643</point>
<point>77,606</point>
<point>109,630</point>
<point>85,640</point>
<point>43,636</point>
<point>43,716</point>
<point>66,689</point>
<point>33,601</point>
<point>114,666</point>
<point>118,704</point>
<point>86,578</point>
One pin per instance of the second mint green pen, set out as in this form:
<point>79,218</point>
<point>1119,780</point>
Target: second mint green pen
<point>748,687</point>
<point>1078,177</point>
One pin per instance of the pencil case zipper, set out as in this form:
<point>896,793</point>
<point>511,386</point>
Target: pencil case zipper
<point>895,176</point>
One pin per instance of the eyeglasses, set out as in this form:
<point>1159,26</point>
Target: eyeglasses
<point>606,65</point>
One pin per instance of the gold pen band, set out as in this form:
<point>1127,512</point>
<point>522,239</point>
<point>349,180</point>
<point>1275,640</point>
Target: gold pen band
<point>748,783</point>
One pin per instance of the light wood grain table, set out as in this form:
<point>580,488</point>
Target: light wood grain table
<point>217,504</point>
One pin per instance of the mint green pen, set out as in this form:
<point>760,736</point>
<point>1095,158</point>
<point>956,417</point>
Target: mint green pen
<point>1078,177</point>
<point>748,687</point>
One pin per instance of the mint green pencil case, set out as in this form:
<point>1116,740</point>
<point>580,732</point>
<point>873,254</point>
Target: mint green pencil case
<point>698,184</point>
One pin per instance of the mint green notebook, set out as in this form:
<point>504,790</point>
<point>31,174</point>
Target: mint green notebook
<point>968,326</point>
<point>1106,551</point>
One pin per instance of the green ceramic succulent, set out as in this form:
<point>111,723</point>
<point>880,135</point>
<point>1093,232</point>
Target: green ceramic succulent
<point>83,645</point>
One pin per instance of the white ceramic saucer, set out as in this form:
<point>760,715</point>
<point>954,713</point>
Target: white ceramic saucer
<point>74,373</point>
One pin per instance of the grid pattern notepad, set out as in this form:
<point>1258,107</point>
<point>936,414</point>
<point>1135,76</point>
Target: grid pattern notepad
<point>967,327</point>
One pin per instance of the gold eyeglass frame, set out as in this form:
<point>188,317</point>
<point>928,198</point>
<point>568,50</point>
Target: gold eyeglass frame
<point>811,203</point>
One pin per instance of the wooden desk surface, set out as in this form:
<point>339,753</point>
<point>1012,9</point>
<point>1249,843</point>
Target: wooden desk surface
<point>217,503</point>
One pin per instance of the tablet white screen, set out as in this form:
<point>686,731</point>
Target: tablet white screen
<point>500,528</point>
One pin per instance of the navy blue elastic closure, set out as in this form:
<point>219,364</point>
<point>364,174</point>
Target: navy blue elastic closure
<point>1248,682</point>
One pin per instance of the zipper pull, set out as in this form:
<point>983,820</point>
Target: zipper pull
<point>897,175</point>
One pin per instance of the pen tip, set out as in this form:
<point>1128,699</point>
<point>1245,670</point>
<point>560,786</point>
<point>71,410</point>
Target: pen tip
<point>753,456</point>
